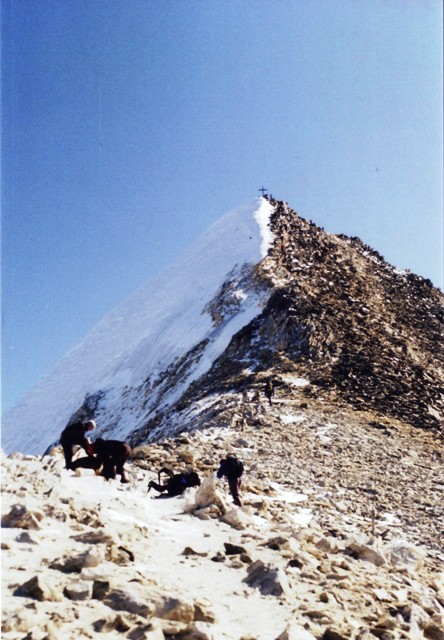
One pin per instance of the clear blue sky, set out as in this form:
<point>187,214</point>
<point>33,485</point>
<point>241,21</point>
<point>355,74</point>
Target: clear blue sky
<point>129,126</point>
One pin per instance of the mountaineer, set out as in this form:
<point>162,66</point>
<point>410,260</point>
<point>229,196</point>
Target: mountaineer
<point>107,458</point>
<point>73,434</point>
<point>176,483</point>
<point>112,454</point>
<point>232,469</point>
<point>269,390</point>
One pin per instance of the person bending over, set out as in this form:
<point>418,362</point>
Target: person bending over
<point>73,434</point>
<point>232,469</point>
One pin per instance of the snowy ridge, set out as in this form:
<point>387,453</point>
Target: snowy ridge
<point>149,332</point>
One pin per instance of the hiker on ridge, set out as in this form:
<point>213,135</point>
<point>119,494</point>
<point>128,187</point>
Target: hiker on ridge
<point>73,434</point>
<point>269,390</point>
<point>232,469</point>
<point>112,454</point>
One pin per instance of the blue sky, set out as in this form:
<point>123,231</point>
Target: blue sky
<point>128,127</point>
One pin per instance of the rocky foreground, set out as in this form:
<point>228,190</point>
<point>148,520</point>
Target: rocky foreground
<point>340,536</point>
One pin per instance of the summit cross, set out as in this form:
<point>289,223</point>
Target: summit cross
<point>263,190</point>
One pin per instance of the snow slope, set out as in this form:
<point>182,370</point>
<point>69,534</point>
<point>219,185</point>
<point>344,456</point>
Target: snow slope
<point>144,335</point>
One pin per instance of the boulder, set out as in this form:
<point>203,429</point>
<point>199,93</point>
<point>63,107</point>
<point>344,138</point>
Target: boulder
<point>237,518</point>
<point>100,589</point>
<point>20,517</point>
<point>269,580</point>
<point>40,588</point>
<point>404,555</point>
<point>89,558</point>
<point>119,555</point>
<point>171,607</point>
<point>26,538</point>
<point>206,495</point>
<point>434,631</point>
<point>127,599</point>
<point>79,590</point>
<point>203,612</point>
<point>197,631</point>
<point>233,549</point>
<point>150,631</point>
<point>366,553</point>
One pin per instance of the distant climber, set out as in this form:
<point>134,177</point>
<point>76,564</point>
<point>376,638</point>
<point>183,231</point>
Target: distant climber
<point>176,483</point>
<point>232,469</point>
<point>75,434</point>
<point>269,390</point>
<point>256,396</point>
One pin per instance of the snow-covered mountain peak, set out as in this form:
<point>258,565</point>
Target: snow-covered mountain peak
<point>262,295</point>
<point>145,335</point>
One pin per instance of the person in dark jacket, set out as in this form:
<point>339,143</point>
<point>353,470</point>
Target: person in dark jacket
<point>176,483</point>
<point>112,454</point>
<point>232,469</point>
<point>269,390</point>
<point>76,434</point>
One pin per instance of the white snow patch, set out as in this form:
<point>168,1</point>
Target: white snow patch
<point>262,217</point>
<point>324,430</point>
<point>286,496</point>
<point>287,418</point>
<point>296,382</point>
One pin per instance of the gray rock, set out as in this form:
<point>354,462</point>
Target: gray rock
<point>74,564</point>
<point>26,538</point>
<point>269,580</point>
<point>81,590</point>
<point>128,600</point>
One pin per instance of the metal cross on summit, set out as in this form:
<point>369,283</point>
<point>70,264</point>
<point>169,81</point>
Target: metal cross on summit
<point>263,191</point>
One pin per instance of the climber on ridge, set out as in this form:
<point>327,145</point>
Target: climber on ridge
<point>269,390</point>
<point>232,469</point>
<point>112,454</point>
<point>107,458</point>
<point>73,434</point>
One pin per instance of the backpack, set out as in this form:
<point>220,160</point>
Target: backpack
<point>235,466</point>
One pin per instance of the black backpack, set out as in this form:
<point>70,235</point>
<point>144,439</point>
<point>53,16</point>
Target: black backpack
<point>235,466</point>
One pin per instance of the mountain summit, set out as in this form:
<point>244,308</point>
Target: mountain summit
<point>263,294</point>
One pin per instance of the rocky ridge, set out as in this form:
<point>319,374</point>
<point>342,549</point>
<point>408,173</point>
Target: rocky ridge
<point>364,334</point>
<point>339,537</point>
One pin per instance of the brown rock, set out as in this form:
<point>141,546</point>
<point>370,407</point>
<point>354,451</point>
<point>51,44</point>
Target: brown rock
<point>40,588</point>
<point>21,517</point>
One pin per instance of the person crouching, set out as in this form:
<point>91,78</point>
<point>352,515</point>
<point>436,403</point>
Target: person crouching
<point>112,454</point>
